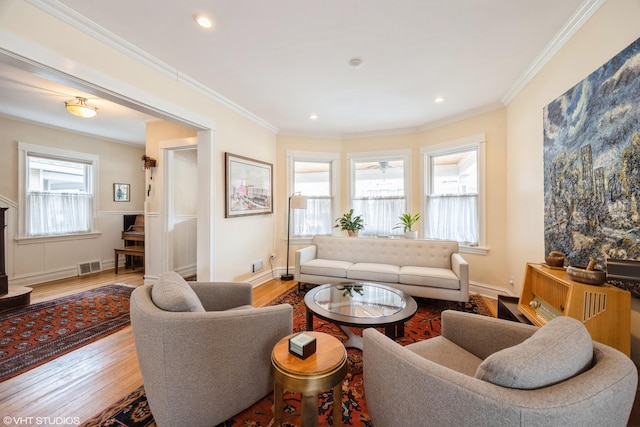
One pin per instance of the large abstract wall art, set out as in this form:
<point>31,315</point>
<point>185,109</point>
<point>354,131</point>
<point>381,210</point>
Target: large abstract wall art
<point>592,165</point>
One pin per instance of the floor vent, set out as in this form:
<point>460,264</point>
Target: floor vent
<point>89,267</point>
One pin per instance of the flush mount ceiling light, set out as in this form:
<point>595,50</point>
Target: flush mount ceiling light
<point>355,62</point>
<point>78,107</point>
<point>203,21</point>
<point>313,117</point>
<point>439,99</point>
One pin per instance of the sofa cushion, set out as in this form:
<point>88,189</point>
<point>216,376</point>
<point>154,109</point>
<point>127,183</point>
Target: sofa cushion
<point>326,267</point>
<point>173,293</point>
<point>374,272</point>
<point>559,350</point>
<point>429,276</point>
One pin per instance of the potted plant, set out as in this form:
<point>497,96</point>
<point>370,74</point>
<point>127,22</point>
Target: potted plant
<point>406,222</point>
<point>351,223</point>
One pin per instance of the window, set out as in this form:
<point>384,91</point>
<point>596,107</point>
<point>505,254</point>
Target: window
<point>57,191</point>
<point>454,199</point>
<point>313,175</point>
<point>379,189</point>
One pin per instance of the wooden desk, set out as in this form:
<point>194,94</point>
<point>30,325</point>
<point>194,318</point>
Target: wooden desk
<point>321,371</point>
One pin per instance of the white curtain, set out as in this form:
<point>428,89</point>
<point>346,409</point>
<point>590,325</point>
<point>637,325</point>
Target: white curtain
<point>380,214</point>
<point>453,218</point>
<point>58,213</point>
<point>314,220</point>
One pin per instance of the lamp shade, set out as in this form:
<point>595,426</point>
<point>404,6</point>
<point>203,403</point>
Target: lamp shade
<point>298,202</point>
<point>78,107</point>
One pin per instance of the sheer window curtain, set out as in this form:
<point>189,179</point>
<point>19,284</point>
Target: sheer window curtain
<point>380,214</point>
<point>453,217</point>
<point>51,213</point>
<point>315,219</point>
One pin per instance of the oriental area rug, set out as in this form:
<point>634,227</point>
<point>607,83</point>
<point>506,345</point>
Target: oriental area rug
<point>133,410</point>
<point>33,335</point>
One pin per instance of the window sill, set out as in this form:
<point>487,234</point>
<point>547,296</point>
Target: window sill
<point>476,250</point>
<point>58,238</point>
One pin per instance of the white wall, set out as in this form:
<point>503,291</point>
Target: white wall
<point>40,260</point>
<point>609,31</point>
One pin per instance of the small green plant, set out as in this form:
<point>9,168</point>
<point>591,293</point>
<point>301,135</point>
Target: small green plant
<point>350,222</point>
<point>406,221</point>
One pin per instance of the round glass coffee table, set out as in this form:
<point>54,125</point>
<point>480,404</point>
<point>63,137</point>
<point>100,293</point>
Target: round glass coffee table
<point>362,305</point>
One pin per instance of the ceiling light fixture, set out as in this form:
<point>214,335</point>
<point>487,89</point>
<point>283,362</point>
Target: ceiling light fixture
<point>203,21</point>
<point>313,117</point>
<point>78,107</point>
<point>355,63</point>
<point>439,100</point>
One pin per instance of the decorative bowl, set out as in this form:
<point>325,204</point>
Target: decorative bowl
<point>590,277</point>
<point>554,260</point>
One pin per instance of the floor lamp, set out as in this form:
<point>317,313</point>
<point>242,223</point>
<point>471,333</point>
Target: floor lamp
<point>296,201</point>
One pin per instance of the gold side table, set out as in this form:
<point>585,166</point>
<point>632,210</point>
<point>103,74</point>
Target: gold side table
<point>321,371</point>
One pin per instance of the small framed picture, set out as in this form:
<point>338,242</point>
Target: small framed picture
<point>120,192</point>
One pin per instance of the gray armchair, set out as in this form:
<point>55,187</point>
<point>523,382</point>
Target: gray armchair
<point>484,371</point>
<point>201,368</point>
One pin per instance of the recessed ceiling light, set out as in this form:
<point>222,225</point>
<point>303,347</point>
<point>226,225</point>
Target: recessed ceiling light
<point>203,21</point>
<point>313,116</point>
<point>439,99</point>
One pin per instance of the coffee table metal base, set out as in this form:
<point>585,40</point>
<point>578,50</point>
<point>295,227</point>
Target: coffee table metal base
<point>354,340</point>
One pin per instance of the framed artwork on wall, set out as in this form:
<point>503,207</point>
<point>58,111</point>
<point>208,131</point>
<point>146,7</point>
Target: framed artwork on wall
<point>248,186</point>
<point>121,192</point>
<point>591,167</point>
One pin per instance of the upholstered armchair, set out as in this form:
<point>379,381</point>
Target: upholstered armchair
<point>484,371</point>
<point>204,351</point>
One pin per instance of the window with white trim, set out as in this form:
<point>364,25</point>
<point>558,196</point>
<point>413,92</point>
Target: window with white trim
<point>379,188</point>
<point>454,191</point>
<point>313,175</point>
<point>57,191</point>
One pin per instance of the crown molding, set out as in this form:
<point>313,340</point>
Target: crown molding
<point>582,15</point>
<point>85,25</point>
<point>405,131</point>
<point>461,116</point>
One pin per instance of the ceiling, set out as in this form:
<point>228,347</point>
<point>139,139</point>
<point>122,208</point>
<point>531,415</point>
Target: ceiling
<point>284,60</point>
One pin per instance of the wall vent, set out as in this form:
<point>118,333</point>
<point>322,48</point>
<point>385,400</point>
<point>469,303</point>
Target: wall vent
<point>89,267</point>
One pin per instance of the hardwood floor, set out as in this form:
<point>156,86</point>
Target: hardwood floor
<point>84,382</point>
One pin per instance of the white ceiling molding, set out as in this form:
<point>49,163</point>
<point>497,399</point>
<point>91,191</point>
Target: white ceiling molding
<point>588,8</point>
<point>79,22</point>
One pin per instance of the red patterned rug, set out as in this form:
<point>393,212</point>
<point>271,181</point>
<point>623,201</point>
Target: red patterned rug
<point>133,410</point>
<point>38,333</point>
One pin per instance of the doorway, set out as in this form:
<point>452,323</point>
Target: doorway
<point>181,206</point>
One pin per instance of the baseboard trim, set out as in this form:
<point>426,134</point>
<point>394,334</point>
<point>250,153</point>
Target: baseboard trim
<point>489,291</point>
<point>44,276</point>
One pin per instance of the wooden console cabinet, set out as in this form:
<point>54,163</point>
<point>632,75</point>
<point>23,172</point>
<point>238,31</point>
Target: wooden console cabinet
<point>605,310</point>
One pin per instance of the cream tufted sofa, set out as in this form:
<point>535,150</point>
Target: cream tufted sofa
<point>421,268</point>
